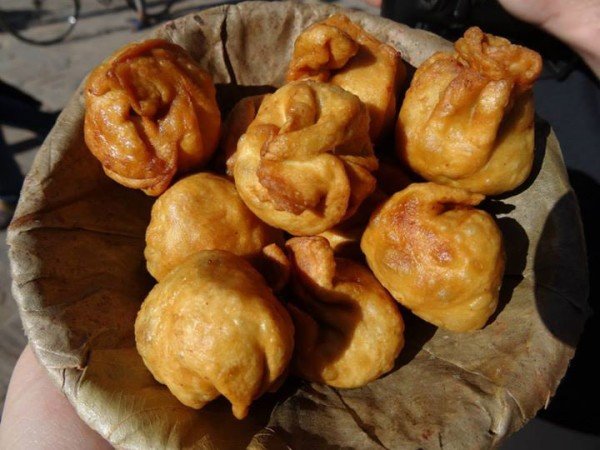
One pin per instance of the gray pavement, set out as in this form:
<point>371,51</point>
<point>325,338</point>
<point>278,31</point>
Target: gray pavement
<point>51,74</point>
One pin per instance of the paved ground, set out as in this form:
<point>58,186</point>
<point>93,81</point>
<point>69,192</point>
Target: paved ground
<point>51,74</point>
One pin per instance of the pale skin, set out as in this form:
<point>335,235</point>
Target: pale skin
<point>575,22</point>
<point>38,416</point>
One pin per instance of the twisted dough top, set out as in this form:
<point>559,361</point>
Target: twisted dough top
<point>348,329</point>
<point>467,118</point>
<point>338,51</point>
<point>150,112</point>
<point>305,162</point>
<point>496,58</point>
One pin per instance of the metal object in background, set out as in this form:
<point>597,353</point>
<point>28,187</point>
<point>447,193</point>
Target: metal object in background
<point>39,22</point>
<point>145,17</point>
<point>46,22</point>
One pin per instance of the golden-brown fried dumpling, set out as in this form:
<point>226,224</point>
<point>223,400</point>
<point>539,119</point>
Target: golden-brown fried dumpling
<point>437,255</point>
<point>305,162</point>
<point>348,329</point>
<point>236,124</point>
<point>202,212</point>
<point>212,327</point>
<point>467,119</point>
<point>340,52</point>
<point>150,113</point>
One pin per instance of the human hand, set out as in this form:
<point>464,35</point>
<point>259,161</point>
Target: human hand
<point>38,416</point>
<point>575,22</point>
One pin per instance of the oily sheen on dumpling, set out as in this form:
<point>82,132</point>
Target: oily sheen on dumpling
<point>203,212</point>
<point>340,52</point>
<point>437,255</point>
<point>151,112</point>
<point>468,118</point>
<point>305,162</point>
<point>212,327</point>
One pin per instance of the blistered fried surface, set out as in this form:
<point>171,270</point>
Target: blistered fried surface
<point>202,212</point>
<point>305,162</point>
<point>340,52</point>
<point>348,329</point>
<point>236,124</point>
<point>468,118</point>
<point>150,113</point>
<point>212,327</point>
<point>437,255</point>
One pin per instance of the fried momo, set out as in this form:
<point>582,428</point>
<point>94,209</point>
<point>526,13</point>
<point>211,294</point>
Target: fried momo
<point>150,113</point>
<point>212,327</point>
<point>238,120</point>
<point>467,119</point>
<point>437,255</point>
<point>202,212</point>
<point>348,329</point>
<point>340,52</point>
<point>305,162</point>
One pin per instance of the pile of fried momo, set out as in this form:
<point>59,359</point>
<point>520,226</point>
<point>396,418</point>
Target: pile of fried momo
<point>294,247</point>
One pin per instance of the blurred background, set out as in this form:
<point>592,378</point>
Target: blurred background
<point>48,46</point>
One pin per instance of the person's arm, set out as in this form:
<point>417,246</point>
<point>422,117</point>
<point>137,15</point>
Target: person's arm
<point>575,22</point>
<point>38,416</point>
